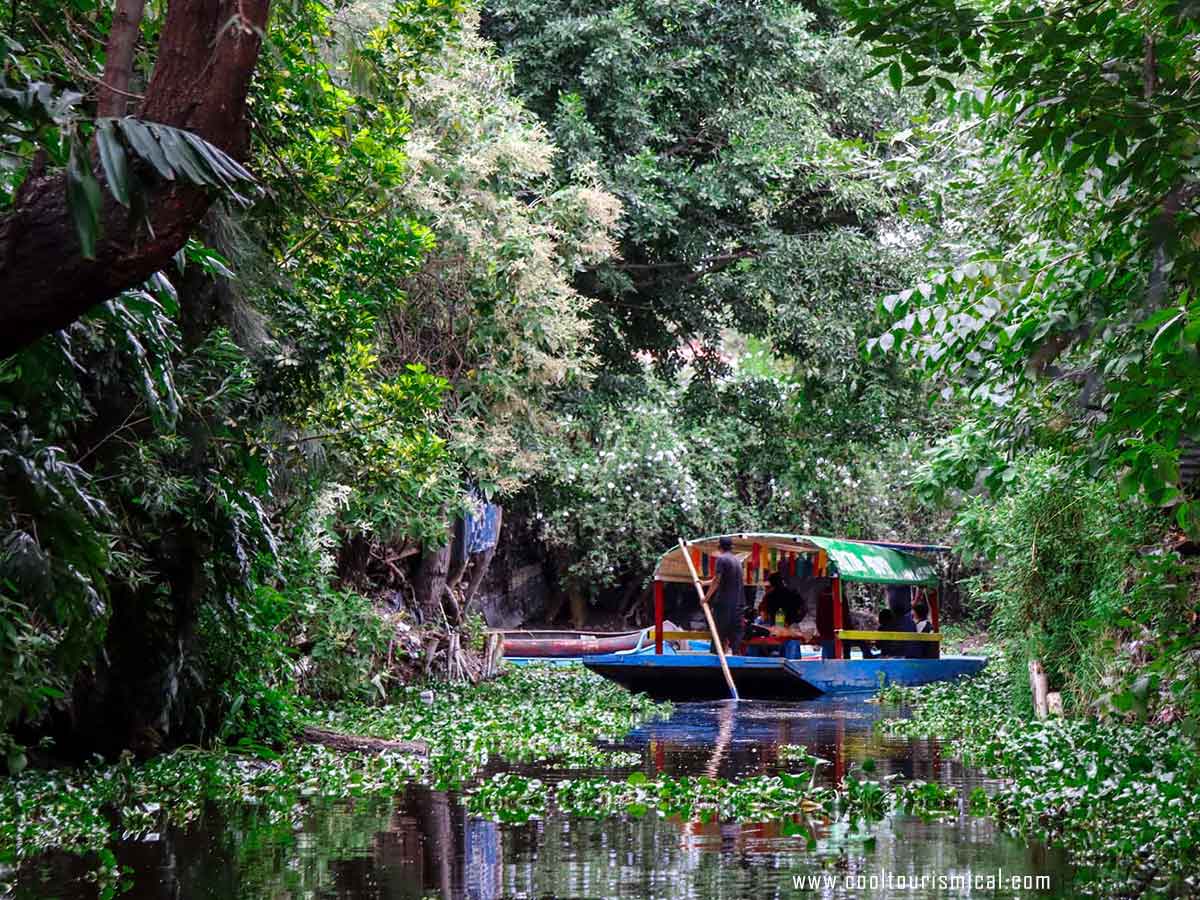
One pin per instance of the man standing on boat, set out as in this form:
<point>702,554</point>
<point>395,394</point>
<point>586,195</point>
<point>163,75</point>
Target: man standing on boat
<point>730,597</point>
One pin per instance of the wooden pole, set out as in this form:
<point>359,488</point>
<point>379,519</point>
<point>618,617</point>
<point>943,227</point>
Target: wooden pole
<point>712,626</point>
<point>658,616</point>
<point>1039,687</point>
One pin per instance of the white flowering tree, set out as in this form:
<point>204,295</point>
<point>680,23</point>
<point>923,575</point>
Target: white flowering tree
<point>493,309</point>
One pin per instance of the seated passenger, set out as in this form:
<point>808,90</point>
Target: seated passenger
<point>887,622</point>
<point>781,602</point>
<point>929,649</point>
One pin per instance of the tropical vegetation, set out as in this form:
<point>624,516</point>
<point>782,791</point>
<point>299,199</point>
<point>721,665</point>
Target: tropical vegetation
<point>289,292</point>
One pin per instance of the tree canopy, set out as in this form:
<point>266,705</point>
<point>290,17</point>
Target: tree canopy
<point>732,135</point>
<point>1064,303</point>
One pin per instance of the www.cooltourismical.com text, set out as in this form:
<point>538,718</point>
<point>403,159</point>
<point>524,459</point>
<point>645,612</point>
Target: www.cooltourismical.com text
<point>964,883</point>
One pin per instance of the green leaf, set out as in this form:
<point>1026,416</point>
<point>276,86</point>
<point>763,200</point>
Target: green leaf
<point>1077,159</point>
<point>112,159</point>
<point>182,159</point>
<point>896,76</point>
<point>145,145</point>
<point>83,199</point>
<point>221,162</point>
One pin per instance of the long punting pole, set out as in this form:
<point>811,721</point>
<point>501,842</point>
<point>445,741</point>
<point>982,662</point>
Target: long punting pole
<point>712,626</point>
<point>658,616</point>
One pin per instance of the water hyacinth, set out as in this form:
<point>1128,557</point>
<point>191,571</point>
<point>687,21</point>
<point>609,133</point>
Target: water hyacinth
<point>531,714</point>
<point>510,797</point>
<point>82,810</point>
<point>1123,799</point>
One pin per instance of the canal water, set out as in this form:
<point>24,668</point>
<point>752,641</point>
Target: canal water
<point>425,844</point>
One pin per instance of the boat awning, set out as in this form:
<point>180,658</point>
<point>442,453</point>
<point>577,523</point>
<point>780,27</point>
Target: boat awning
<point>870,562</point>
<point>875,564</point>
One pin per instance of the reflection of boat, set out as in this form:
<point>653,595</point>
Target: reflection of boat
<point>567,643</point>
<point>685,675</point>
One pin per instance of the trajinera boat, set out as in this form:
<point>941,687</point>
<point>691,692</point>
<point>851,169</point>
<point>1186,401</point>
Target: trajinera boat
<point>679,665</point>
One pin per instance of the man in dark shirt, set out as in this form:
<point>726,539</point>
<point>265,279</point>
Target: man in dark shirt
<point>780,598</point>
<point>929,649</point>
<point>899,598</point>
<point>727,596</point>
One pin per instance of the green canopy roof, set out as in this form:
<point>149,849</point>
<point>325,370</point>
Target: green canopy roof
<point>874,564</point>
<point>871,562</point>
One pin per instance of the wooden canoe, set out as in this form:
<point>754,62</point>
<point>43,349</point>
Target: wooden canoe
<point>567,643</point>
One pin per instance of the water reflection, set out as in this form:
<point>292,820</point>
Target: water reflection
<point>740,740</point>
<point>424,843</point>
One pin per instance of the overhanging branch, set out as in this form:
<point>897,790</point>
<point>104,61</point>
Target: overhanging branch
<point>206,56</point>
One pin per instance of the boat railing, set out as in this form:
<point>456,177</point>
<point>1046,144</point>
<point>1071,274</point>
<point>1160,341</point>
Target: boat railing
<point>847,635</point>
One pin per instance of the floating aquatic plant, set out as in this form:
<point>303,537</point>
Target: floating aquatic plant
<point>507,797</point>
<point>532,714</point>
<point>1123,799</point>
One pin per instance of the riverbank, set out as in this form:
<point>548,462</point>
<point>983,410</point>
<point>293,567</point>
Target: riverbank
<point>1123,799</point>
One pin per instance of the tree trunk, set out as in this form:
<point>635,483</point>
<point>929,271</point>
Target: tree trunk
<point>431,583</point>
<point>353,743</point>
<point>206,57</point>
<point>579,608</point>
<point>118,59</point>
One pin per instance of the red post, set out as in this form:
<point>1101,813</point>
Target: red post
<point>658,616</point>
<point>933,615</point>
<point>756,562</point>
<point>837,617</point>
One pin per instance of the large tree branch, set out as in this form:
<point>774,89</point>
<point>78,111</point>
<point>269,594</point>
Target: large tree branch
<point>206,56</point>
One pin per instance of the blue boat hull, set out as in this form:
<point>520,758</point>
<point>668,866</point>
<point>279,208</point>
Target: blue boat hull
<point>698,676</point>
<point>848,676</point>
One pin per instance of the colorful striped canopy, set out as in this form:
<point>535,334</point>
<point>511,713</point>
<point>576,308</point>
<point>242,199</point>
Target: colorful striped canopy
<point>870,562</point>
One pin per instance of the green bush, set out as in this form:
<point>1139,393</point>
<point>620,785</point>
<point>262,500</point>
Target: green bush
<point>1068,581</point>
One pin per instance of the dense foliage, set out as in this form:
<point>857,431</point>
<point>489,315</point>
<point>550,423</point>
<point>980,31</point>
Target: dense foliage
<point>1062,178</point>
<point>154,451</point>
<point>733,136</point>
<point>1052,184</point>
<point>631,477</point>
